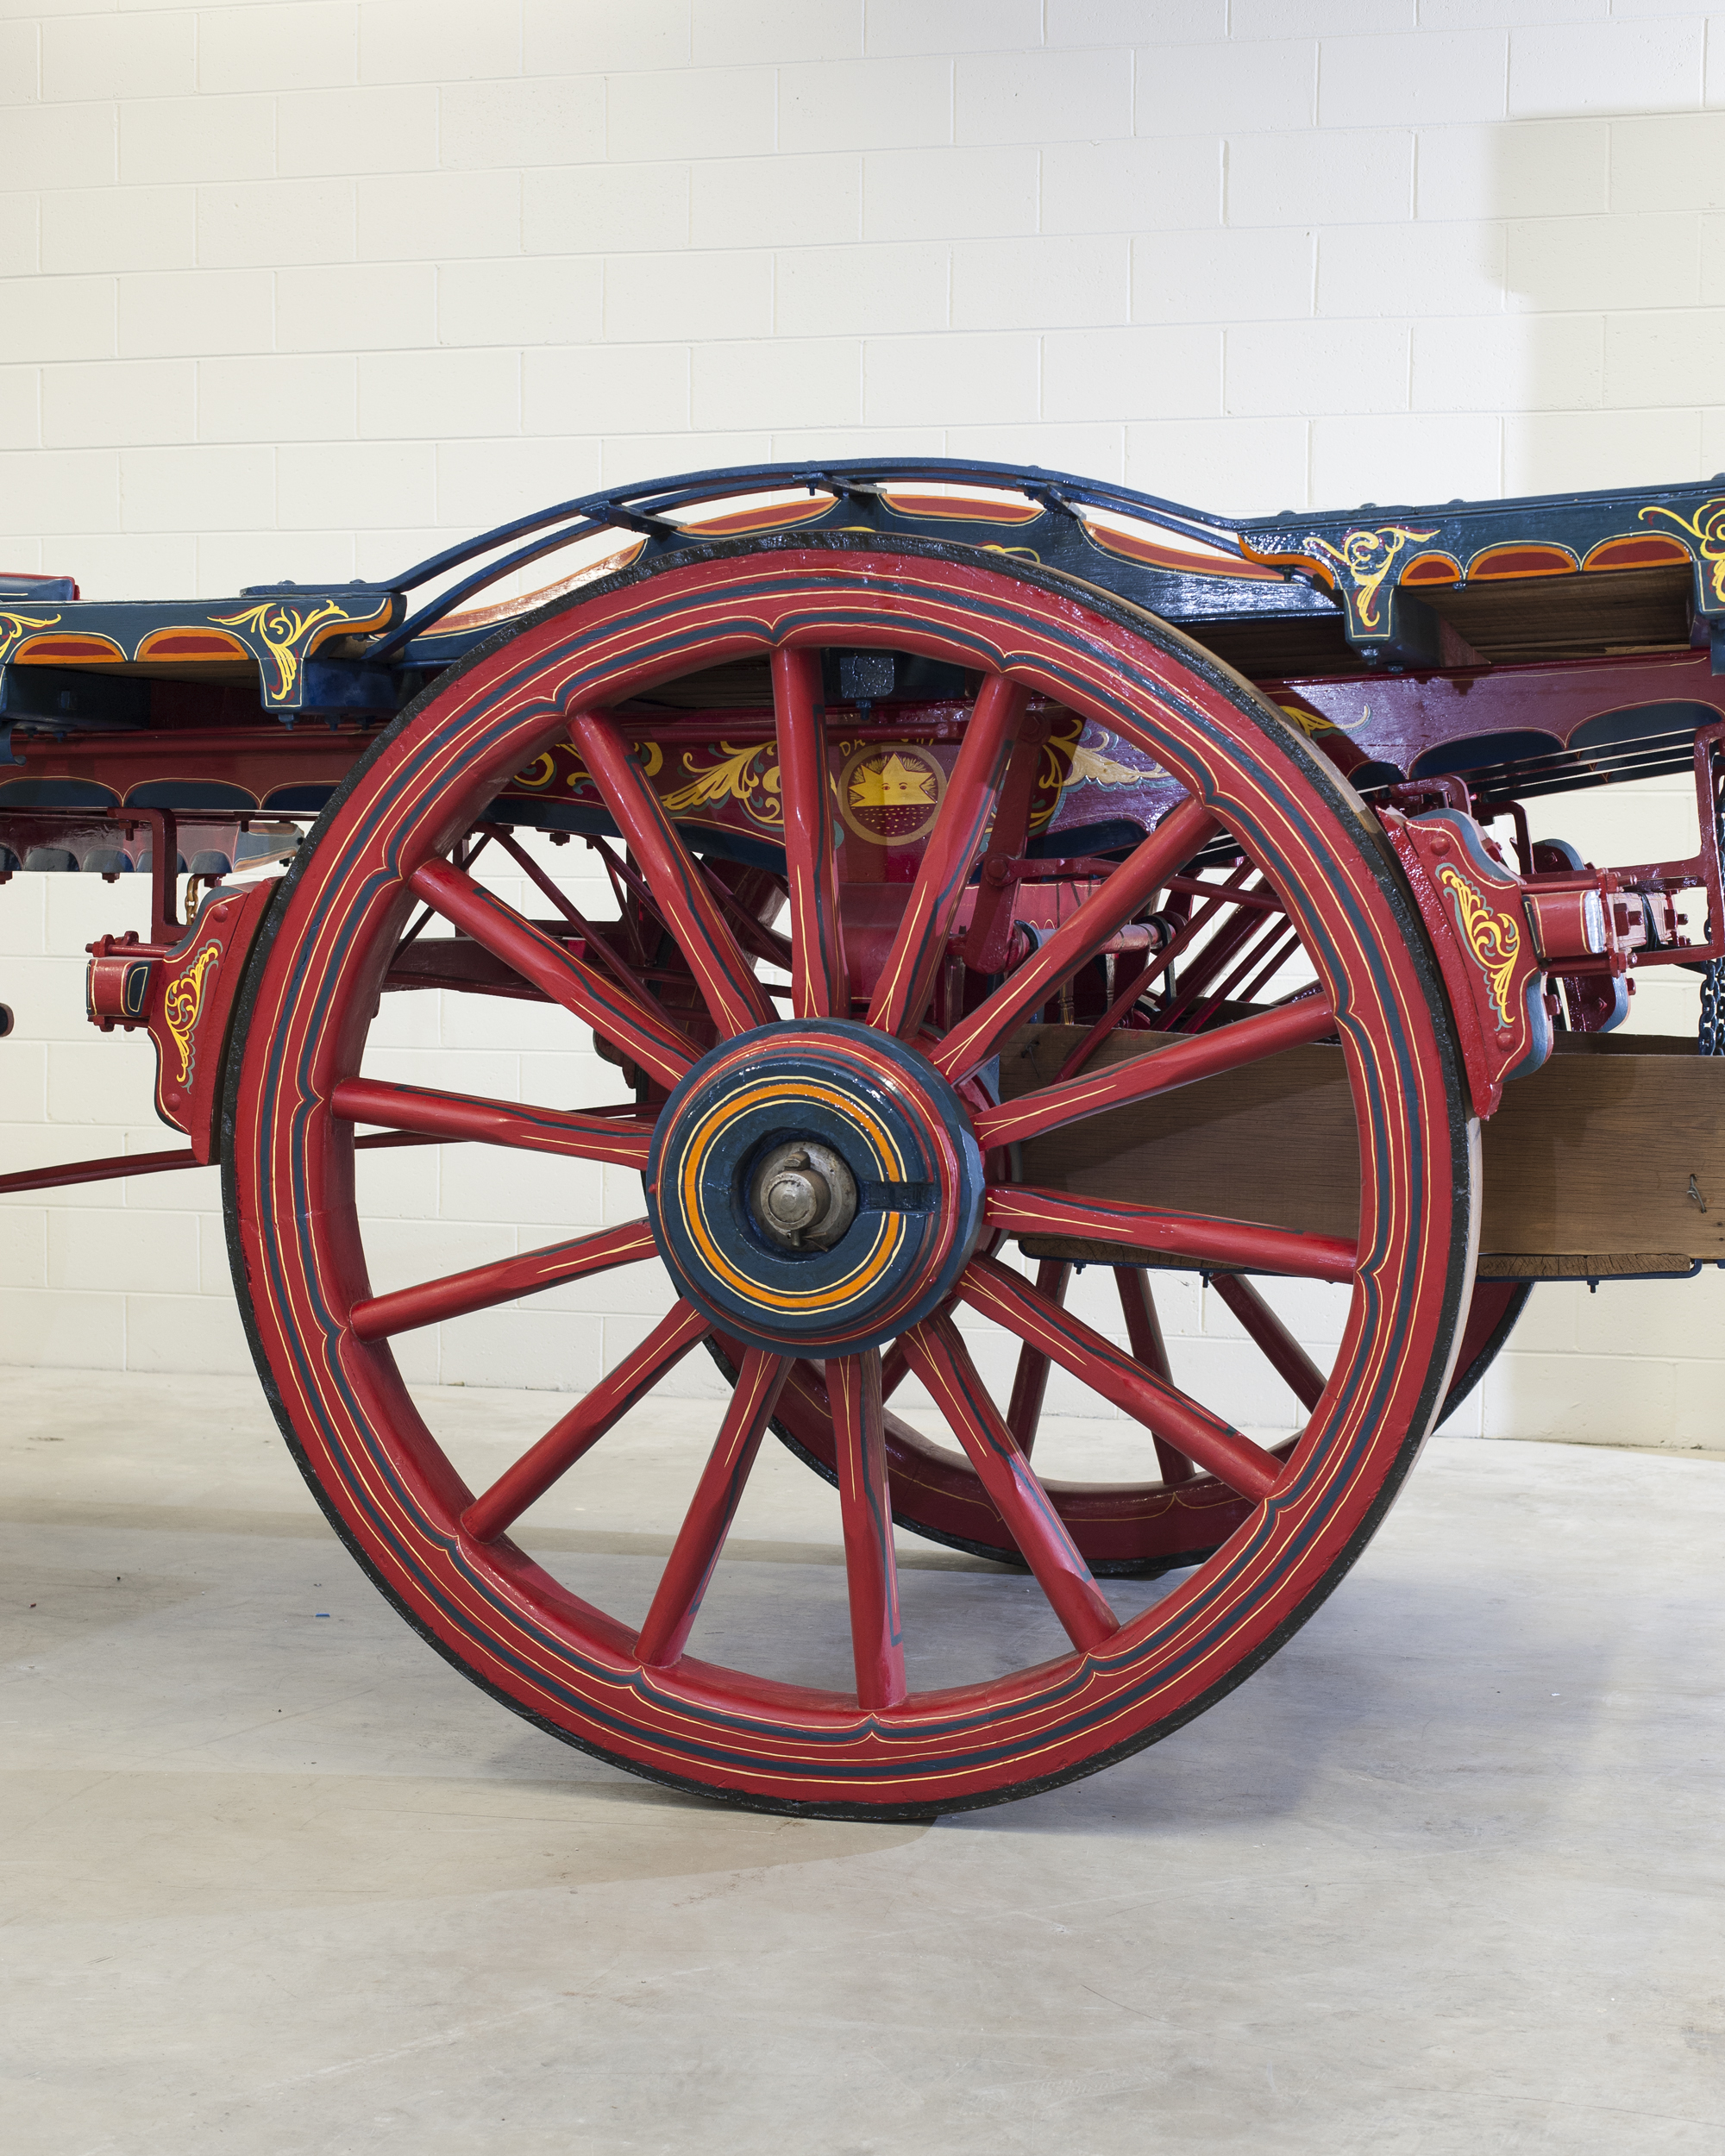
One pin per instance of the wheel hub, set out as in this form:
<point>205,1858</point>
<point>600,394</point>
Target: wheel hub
<point>814,1186</point>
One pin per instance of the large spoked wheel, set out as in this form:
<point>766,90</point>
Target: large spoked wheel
<point>829,1183</point>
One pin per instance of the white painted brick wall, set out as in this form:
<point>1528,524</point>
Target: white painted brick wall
<point>305,287</point>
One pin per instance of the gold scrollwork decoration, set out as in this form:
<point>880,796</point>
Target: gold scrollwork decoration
<point>1364,559</point>
<point>748,776</point>
<point>286,633</point>
<point>1707,528</point>
<point>13,626</point>
<point>1068,760</point>
<point>1493,937</point>
<point>182,1000</point>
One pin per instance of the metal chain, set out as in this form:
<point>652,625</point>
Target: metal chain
<point>1708,1040</point>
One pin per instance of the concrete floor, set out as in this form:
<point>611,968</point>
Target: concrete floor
<point>1449,1875</point>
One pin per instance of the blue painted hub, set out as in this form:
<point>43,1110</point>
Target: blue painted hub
<point>897,1125</point>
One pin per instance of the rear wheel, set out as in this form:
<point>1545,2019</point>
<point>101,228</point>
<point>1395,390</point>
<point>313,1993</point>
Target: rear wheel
<point>830,1182</point>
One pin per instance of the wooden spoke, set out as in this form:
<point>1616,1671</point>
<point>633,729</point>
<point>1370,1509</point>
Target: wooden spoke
<point>755,935</point>
<point>611,960</point>
<point>620,1138</point>
<point>1200,1239</point>
<point>1216,1445</point>
<point>1143,1336</point>
<point>907,979</point>
<point>989,938</point>
<point>635,1028</point>
<point>1029,1381</point>
<point>727,982</point>
<point>1277,959</point>
<point>1217,953</point>
<point>701,1537</point>
<point>1175,840</point>
<point>1281,1350</point>
<point>941,1360</point>
<point>586,1422</point>
<point>865,1506</point>
<point>820,981</point>
<point>1267,947</point>
<point>1182,1063</point>
<point>457,1295</point>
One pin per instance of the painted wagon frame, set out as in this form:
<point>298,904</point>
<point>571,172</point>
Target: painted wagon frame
<point>999,858</point>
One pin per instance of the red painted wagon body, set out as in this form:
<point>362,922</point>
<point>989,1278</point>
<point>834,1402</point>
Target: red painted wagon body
<point>999,860</point>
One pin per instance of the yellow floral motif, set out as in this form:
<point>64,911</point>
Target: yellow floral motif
<point>1312,725</point>
<point>1066,762</point>
<point>747,776</point>
<point>1090,767</point>
<point>1707,528</point>
<point>286,633</point>
<point>1493,937</point>
<point>1364,559</point>
<point>13,626</point>
<point>182,1000</point>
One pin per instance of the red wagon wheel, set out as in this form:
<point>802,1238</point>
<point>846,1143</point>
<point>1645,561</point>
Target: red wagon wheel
<point>828,1183</point>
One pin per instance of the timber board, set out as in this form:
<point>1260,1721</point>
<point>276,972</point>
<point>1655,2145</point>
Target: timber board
<point>1586,1166</point>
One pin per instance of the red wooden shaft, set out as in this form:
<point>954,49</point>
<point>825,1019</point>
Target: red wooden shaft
<point>115,1167</point>
<point>110,1169</point>
<point>1209,961</point>
<point>1179,836</point>
<point>941,1360</point>
<point>1216,1446</point>
<point>1272,965</point>
<point>684,1583</point>
<point>457,1295</point>
<point>1269,938</point>
<point>765,942</point>
<point>563,1443</point>
<point>1186,1060</point>
<point>987,939</point>
<point>907,979</point>
<point>1257,899</point>
<point>1280,1349</point>
<point>728,985</point>
<point>1202,916</point>
<point>636,1030</point>
<point>621,1140</point>
<point>820,981</point>
<point>611,959</point>
<point>1203,1238</point>
<point>1110,1018</point>
<point>1143,1336</point>
<point>1030,1381</point>
<point>865,1505</point>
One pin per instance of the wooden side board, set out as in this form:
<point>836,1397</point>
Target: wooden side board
<point>1610,1160</point>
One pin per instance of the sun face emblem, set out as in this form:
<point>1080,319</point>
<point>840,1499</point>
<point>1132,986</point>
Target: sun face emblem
<point>891,796</point>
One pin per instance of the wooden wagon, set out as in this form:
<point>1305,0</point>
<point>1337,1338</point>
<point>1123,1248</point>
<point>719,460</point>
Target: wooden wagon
<point>1001,861</point>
